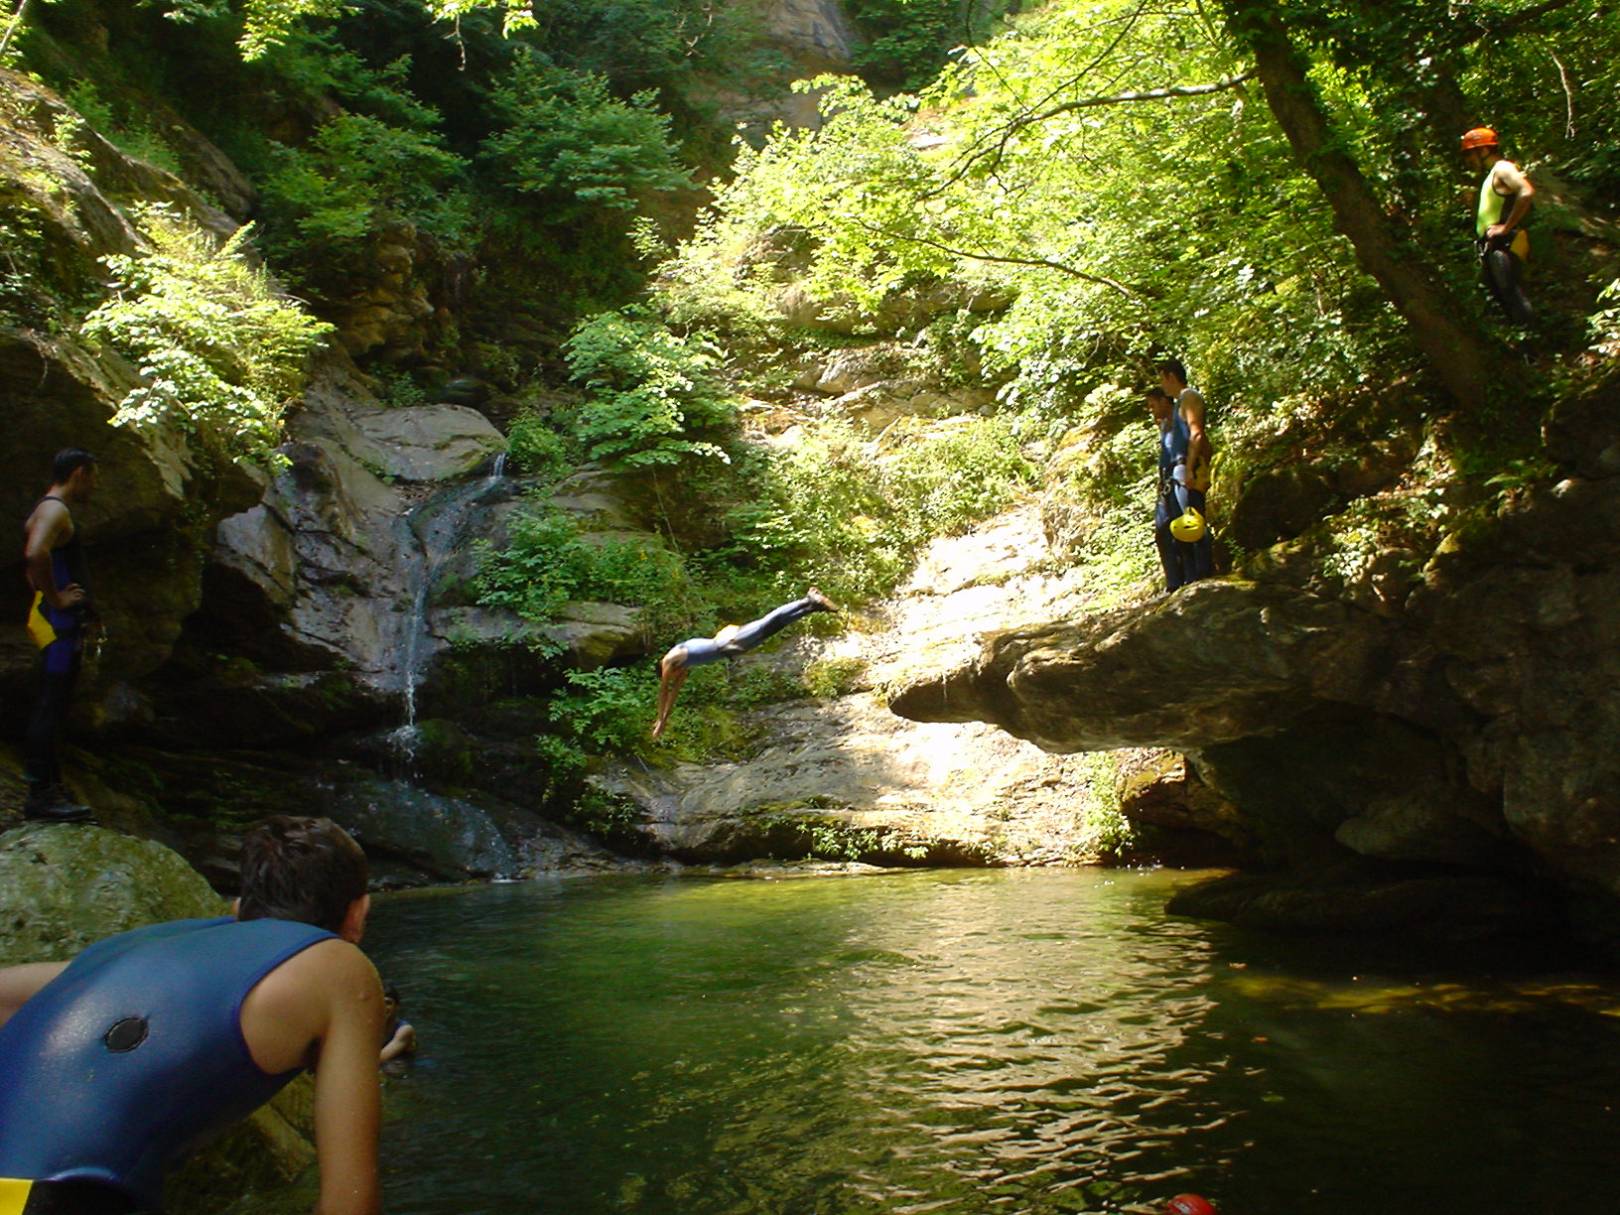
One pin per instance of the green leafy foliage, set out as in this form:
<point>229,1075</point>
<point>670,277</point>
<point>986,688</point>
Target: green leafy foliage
<point>829,678</point>
<point>908,41</point>
<point>1105,832</point>
<point>547,563</point>
<point>573,146</point>
<point>220,353</point>
<point>833,511</point>
<point>653,395</point>
<point>25,294</point>
<point>356,176</point>
<point>536,449</point>
<point>130,130</point>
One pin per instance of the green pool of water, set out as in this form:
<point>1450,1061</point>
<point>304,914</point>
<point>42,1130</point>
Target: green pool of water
<point>965,1042</point>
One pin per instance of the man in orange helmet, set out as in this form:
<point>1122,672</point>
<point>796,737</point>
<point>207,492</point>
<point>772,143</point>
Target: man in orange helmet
<point>1505,197</point>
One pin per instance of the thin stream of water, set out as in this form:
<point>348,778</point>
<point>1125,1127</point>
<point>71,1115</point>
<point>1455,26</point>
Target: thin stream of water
<point>436,527</point>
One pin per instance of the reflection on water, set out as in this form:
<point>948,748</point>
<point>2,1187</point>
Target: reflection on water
<point>965,1042</point>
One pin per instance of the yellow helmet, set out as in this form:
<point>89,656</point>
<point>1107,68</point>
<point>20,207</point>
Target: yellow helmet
<point>1188,527</point>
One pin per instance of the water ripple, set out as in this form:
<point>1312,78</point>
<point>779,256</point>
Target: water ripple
<point>951,1044</point>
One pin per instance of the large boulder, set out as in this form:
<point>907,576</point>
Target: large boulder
<point>426,442</point>
<point>1466,723</point>
<point>1219,661</point>
<point>64,887</point>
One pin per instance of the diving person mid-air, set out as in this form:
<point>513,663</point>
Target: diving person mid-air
<point>729,642</point>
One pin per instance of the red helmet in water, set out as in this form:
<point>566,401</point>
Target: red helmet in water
<point>1189,1204</point>
<point>1479,137</point>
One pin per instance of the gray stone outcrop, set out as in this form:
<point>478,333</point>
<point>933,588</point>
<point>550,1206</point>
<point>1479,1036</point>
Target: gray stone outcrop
<point>1471,724</point>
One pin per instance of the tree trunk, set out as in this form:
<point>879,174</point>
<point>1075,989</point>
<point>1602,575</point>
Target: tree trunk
<point>1457,353</point>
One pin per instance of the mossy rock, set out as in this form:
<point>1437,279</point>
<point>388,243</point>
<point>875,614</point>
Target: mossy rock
<point>63,887</point>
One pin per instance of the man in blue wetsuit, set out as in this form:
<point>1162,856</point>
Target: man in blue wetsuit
<point>115,1065</point>
<point>61,617</point>
<point>1184,458</point>
<point>729,642</point>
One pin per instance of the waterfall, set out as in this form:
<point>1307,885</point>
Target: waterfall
<point>435,528</point>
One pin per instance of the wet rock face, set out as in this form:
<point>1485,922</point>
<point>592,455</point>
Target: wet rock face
<point>847,775</point>
<point>842,777</point>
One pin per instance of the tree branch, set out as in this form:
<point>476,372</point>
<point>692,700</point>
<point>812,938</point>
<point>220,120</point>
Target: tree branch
<point>11,29</point>
<point>1000,259</point>
<point>1013,126</point>
<point>974,152</point>
<point>1190,90</point>
<point>1513,23</point>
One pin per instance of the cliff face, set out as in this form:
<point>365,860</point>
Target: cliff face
<point>1471,725</point>
<point>243,611</point>
<point>65,191</point>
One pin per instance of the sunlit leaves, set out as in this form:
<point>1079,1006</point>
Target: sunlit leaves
<point>220,354</point>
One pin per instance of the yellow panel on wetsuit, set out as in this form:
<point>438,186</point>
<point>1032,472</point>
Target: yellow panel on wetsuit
<point>13,1195</point>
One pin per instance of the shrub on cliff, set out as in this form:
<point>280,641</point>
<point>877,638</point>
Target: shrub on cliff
<point>220,353</point>
<point>655,398</point>
<point>571,144</point>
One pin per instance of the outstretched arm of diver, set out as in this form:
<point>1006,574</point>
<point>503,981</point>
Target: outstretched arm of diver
<point>19,983</point>
<point>348,1101</point>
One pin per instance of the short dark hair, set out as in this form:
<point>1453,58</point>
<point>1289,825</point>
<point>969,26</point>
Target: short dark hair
<point>68,461</point>
<point>1158,394</point>
<point>1175,368</point>
<point>304,869</point>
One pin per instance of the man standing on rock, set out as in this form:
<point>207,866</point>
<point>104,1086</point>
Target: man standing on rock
<point>1505,195</point>
<point>115,1065</point>
<point>59,620</point>
<point>1184,457</point>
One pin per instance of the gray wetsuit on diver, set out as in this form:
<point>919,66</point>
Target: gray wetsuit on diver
<point>703,650</point>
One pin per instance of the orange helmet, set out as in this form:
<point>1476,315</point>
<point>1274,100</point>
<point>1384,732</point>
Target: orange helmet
<point>1479,137</point>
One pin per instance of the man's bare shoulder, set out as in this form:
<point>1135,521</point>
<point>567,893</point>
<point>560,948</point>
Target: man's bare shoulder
<point>332,960</point>
<point>50,515</point>
<point>329,973</point>
<point>1507,177</point>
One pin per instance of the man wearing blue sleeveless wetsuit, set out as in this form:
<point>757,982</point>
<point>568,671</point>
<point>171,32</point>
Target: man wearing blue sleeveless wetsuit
<point>1184,457</point>
<point>61,616</point>
<point>729,642</point>
<point>113,1066</point>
